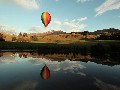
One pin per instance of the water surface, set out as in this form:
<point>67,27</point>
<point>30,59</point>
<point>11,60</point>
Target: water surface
<point>22,71</point>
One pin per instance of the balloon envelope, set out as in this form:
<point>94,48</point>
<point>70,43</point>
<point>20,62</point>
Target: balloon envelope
<point>46,18</point>
<point>45,73</point>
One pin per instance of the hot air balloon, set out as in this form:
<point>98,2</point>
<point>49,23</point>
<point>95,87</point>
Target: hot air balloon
<point>45,73</point>
<point>46,18</point>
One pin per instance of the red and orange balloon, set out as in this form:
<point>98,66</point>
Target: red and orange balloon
<point>45,73</point>
<point>46,18</point>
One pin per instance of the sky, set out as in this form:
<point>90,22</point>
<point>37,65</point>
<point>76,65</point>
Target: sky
<point>66,15</point>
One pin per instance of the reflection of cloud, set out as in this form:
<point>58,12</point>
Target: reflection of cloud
<point>104,86</point>
<point>56,69</point>
<point>67,65</point>
<point>7,60</point>
<point>82,74</point>
<point>29,85</point>
<point>73,67</point>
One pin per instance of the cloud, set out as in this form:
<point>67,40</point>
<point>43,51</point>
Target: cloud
<point>82,1</point>
<point>74,25</point>
<point>56,0</point>
<point>55,25</point>
<point>36,29</point>
<point>105,86</point>
<point>28,4</point>
<point>78,1</point>
<point>107,6</point>
<point>67,25</point>
<point>82,19</point>
<point>6,29</point>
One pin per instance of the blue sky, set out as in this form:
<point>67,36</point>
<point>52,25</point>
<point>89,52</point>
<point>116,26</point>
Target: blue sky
<point>67,15</point>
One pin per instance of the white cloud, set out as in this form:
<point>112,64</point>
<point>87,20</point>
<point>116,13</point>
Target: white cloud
<point>82,1</point>
<point>78,1</point>
<point>56,0</point>
<point>107,6</point>
<point>6,29</point>
<point>10,30</point>
<point>55,25</point>
<point>28,4</point>
<point>36,29</point>
<point>74,25</point>
<point>82,19</point>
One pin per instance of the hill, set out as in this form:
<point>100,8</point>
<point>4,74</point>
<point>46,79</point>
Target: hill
<point>61,37</point>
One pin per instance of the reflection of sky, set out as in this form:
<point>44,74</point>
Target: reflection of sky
<point>25,73</point>
<point>66,66</point>
<point>105,86</point>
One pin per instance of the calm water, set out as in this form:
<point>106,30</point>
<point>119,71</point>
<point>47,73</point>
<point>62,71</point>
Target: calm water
<point>22,71</point>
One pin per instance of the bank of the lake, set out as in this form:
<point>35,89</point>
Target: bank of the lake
<point>84,47</point>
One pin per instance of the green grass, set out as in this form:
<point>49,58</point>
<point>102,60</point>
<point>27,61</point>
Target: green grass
<point>38,45</point>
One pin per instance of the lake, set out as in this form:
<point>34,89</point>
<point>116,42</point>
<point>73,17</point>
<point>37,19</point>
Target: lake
<point>33,71</point>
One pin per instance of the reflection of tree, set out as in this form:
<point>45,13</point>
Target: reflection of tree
<point>1,54</point>
<point>98,51</point>
<point>97,54</point>
<point>20,55</point>
<point>23,55</point>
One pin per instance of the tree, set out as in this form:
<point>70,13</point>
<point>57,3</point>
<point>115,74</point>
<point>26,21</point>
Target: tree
<point>1,37</point>
<point>34,38</point>
<point>14,38</point>
<point>26,38</point>
<point>20,34</point>
<point>20,37</point>
<point>85,33</point>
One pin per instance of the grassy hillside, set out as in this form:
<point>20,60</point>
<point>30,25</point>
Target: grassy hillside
<point>63,38</point>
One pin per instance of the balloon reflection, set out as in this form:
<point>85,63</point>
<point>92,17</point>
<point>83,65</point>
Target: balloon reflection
<point>45,73</point>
